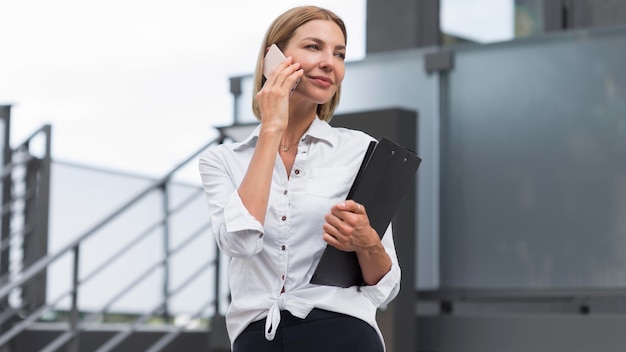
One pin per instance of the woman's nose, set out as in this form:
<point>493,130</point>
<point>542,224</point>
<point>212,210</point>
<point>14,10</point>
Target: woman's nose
<point>326,60</point>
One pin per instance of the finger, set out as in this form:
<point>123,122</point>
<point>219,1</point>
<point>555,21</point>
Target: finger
<point>333,221</point>
<point>351,206</point>
<point>331,235</point>
<point>335,238</point>
<point>295,77</point>
<point>357,208</point>
<point>330,230</point>
<point>283,70</point>
<point>350,215</point>
<point>290,75</point>
<point>339,228</point>
<point>331,240</point>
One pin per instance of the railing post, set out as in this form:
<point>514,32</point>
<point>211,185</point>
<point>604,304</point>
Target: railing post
<point>218,335</point>
<point>235,90</point>
<point>5,214</point>
<point>35,240</point>
<point>166,252</point>
<point>217,286</point>
<point>73,345</point>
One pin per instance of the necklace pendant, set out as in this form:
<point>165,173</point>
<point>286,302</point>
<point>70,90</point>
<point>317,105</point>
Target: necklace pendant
<point>285,148</point>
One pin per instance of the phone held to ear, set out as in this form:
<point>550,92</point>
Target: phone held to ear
<point>273,58</point>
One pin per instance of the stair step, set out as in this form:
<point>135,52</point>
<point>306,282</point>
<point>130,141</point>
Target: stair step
<point>39,335</point>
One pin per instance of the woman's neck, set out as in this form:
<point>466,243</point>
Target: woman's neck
<point>299,122</point>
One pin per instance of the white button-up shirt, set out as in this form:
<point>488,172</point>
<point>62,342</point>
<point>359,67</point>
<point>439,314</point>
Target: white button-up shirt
<point>285,251</point>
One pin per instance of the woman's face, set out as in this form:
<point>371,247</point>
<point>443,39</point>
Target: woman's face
<point>319,47</point>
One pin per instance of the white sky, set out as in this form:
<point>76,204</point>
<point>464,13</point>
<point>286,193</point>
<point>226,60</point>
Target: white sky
<point>136,85</point>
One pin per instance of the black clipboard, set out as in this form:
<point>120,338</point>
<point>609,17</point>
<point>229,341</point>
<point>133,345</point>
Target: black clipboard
<point>380,184</point>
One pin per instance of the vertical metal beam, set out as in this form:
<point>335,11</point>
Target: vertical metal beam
<point>401,24</point>
<point>556,15</point>
<point>36,218</point>
<point>73,345</point>
<point>398,322</point>
<point>235,90</point>
<point>5,216</point>
<point>218,335</point>
<point>166,252</point>
<point>5,229</point>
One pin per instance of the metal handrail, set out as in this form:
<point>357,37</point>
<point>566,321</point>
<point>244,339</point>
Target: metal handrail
<point>26,322</point>
<point>45,261</point>
<point>143,275</point>
<point>7,169</point>
<point>40,312</point>
<point>120,336</point>
<point>131,244</point>
<point>22,232</point>
<point>68,335</point>
<point>33,198</point>
<point>170,336</point>
<point>7,314</point>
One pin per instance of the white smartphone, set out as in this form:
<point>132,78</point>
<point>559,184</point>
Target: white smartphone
<point>273,58</point>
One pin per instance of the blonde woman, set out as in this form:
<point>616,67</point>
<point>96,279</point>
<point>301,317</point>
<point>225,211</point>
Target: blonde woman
<point>277,199</point>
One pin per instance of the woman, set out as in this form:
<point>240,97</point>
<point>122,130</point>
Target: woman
<point>277,199</point>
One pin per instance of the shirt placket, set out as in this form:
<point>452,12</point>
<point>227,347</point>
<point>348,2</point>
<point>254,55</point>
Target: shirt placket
<point>285,228</point>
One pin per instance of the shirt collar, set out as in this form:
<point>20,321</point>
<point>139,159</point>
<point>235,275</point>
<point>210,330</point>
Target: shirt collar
<point>319,129</point>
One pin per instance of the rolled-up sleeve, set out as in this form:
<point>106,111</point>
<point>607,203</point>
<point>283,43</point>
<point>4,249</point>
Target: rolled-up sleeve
<point>388,287</point>
<point>237,232</point>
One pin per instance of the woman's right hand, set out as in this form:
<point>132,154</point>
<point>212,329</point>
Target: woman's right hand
<point>273,98</point>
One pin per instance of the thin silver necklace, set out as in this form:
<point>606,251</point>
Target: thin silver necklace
<point>285,148</point>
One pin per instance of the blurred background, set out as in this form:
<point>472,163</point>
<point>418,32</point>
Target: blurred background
<point>512,237</point>
<point>137,85</point>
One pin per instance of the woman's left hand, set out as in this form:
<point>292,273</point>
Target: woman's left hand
<point>347,228</point>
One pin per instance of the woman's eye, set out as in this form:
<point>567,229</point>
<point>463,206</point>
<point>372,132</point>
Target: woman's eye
<point>313,46</point>
<point>341,55</point>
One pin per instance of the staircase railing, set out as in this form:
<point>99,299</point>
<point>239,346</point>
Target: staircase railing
<point>25,179</point>
<point>70,337</point>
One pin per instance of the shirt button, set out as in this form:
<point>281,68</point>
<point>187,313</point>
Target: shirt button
<point>283,247</point>
<point>260,235</point>
<point>297,172</point>
<point>282,277</point>
<point>285,192</point>
<point>283,218</point>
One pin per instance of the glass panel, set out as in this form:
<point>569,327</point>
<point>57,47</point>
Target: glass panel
<point>189,220</point>
<point>529,17</point>
<point>82,197</point>
<point>479,21</point>
<point>489,21</point>
<point>399,79</point>
<point>534,178</point>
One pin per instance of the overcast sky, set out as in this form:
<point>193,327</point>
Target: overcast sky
<point>136,85</point>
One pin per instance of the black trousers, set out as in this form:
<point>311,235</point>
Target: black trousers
<point>320,331</point>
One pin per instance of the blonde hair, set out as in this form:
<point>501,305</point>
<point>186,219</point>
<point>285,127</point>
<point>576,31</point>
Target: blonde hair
<point>280,32</point>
